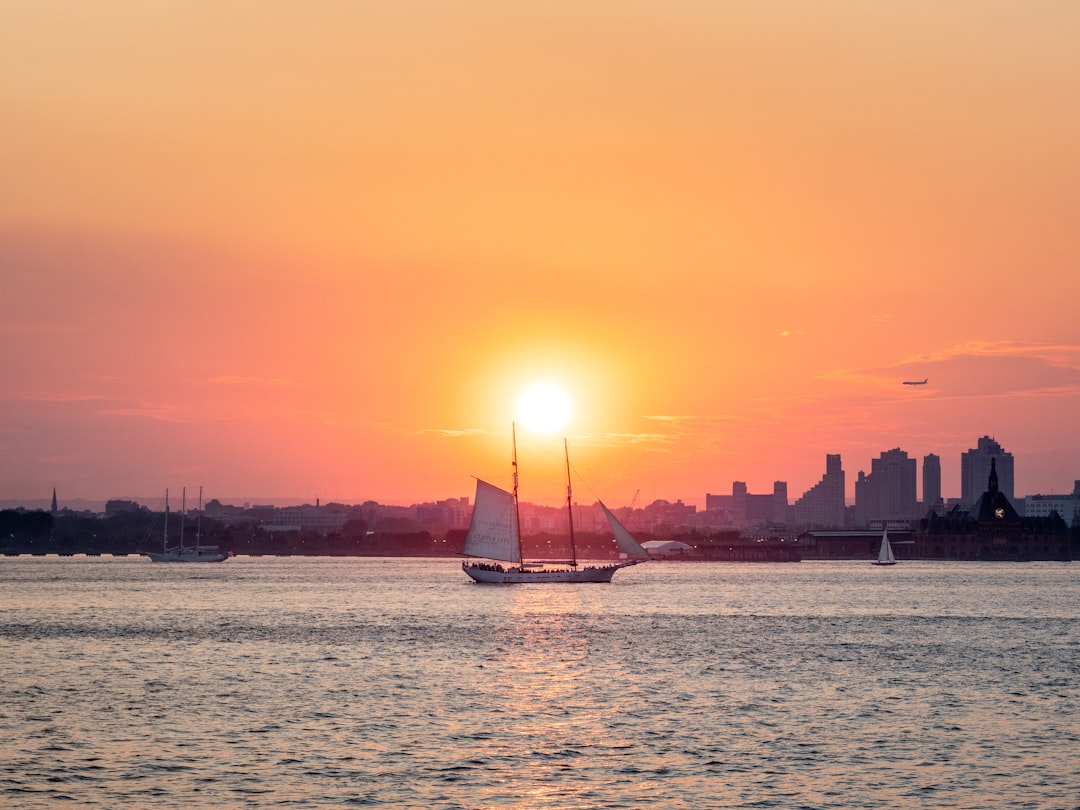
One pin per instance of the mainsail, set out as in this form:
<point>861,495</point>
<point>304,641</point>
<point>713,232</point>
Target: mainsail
<point>625,541</point>
<point>493,533</point>
<point>885,553</point>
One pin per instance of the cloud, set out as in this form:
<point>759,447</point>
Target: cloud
<point>977,368</point>
<point>57,396</point>
<point>632,438</point>
<point>227,379</point>
<point>1064,354</point>
<point>687,418</point>
<point>165,413</point>
<point>455,433</point>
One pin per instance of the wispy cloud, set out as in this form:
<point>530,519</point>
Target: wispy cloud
<point>163,413</point>
<point>689,418</point>
<point>977,368</point>
<point>1063,354</point>
<point>616,439</point>
<point>454,433</point>
<point>227,379</point>
<point>53,396</point>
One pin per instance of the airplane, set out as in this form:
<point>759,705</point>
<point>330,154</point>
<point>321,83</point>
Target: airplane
<point>917,382</point>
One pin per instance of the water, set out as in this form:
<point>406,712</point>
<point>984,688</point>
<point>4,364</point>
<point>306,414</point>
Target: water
<point>398,683</point>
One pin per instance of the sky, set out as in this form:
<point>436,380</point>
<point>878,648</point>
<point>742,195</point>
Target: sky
<point>313,250</point>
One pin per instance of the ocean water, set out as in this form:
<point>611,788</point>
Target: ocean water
<point>300,682</point>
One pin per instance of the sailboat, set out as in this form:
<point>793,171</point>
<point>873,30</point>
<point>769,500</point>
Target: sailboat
<point>885,553</point>
<point>182,553</point>
<point>495,534</point>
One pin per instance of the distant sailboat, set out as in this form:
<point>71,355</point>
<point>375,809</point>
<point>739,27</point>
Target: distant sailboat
<point>494,534</point>
<point>885,553</point>
<point>182,553</point>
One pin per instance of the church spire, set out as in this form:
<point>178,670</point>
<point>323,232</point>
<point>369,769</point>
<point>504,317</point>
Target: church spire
<point>54,509</point>
<point>992,484</point>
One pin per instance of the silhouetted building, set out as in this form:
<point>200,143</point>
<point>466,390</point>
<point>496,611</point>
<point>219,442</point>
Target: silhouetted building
<point>992,530</point>
<point>931,482</point>
<point>975,469</point>
<point>744,509</point>
<point>780,503</point>
<point>823,505</point>
<point>118,506</point>
<point>852,544</point>
<point>887,495</point>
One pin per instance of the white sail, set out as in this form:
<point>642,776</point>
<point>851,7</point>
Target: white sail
<point>885,553</point>
<point>493,532</point>
<point>625,541</point>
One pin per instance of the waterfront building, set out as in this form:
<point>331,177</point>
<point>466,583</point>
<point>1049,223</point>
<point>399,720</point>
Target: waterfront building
<point>992,529</point>
<point>852,544</point>
<point>329,518</point>
<point>1066,506</point>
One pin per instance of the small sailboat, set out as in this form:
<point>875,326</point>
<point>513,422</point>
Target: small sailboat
<point>180,552</point>
<point>495,534</point>
<point>885,552</point>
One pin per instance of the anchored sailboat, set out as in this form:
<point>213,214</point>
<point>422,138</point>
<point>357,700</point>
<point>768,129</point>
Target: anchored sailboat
<point>182,553</point>
<point>495,534</point>
<point>885,552</point>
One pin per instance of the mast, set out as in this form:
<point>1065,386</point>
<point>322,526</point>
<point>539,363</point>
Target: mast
<point>570,506</point>
<point>183,516</point>
<point>513,462</point>
<point>165,534</point>
<point>198,525</point>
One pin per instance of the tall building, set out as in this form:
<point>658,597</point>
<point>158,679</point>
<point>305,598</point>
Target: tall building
<point>931,482</point>
<point>887,494</point>
<point>822,506</point>
<point>780,503</point>
<point>975,471</point>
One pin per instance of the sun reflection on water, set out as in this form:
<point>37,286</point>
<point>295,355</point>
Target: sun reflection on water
<point>563,726</point>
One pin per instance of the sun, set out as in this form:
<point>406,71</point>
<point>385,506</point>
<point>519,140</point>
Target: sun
<point>544,408</point>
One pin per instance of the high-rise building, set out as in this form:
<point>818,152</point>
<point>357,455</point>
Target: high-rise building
<point>780,503</point>
<point>975,470</point>
<point>931,482</point>
<point>823,506</point>
<point>887,494</point>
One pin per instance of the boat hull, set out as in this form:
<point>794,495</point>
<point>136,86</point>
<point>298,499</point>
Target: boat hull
<point>186,558</point>
<point>492,576</point>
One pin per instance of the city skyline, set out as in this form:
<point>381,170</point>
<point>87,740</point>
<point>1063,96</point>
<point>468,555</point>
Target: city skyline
<point>977,457</point>
<point>320,251</point>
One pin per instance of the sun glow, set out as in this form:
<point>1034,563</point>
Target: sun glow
<point>544,408</point>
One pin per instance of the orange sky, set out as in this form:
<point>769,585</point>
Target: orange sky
<point>316,250</point>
